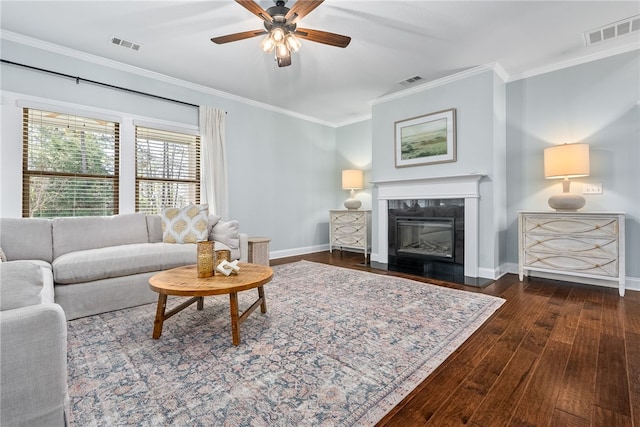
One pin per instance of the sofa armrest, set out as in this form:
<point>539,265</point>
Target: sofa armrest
<point>244,247</point>
<point>33,362</point>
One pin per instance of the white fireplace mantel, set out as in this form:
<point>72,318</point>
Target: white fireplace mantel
<point>445,187</point>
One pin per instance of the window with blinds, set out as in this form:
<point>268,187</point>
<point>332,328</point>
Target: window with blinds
<point>167,169</point>
<point>70,165</point>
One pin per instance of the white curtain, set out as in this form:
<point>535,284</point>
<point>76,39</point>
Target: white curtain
<point>213,161</point>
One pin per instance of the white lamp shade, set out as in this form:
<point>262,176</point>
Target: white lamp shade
<point>352,179</point>
<point>566,161</point>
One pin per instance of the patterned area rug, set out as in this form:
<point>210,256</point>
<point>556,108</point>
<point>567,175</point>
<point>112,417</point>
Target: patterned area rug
<point>337,347</point>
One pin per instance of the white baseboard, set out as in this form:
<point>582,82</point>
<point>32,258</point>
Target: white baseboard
<point>306,250</point>
<point>490,273</point>
<point>298,251</point>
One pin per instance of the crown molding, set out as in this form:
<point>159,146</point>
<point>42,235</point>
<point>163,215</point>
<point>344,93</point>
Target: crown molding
<point>501,72</point>
<point>353,121</point>
<point>94,59</point>
<point>577,61</point>
<point>495,67</point>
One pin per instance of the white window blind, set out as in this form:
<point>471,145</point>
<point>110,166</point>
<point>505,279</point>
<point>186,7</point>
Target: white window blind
<point>167,169</point>
<point>70,165</point>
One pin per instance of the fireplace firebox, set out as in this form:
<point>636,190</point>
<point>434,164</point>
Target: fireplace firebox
<point>425,238</point>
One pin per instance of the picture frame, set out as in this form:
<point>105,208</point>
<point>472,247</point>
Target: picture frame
<point>427,139</point>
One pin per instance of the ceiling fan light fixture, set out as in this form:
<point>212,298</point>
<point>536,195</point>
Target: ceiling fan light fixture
<point>281,26</point>
<point>282,50</point>
<point>283,61</point>
<point>292,42</point>
<point>277,34</point>
<point>267,44</point>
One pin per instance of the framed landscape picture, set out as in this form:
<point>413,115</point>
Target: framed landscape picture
<point>426,139</point>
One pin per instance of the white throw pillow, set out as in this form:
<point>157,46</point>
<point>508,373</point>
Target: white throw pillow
<point>226,232</point>
<point>185,225</point>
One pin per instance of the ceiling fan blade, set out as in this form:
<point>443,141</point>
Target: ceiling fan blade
<point>301,9</point>
<point>238,36</point>
<point>254,8</point>
<point>323,37</point>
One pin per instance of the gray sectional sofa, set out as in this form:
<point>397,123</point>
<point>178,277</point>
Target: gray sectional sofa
<point>102,264</point>
<point>33,348</point>
<point>65,268</point>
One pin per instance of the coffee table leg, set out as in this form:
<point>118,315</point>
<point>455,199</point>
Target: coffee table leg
<point>201,303</point>
<point>263,304</point>
<point>157,324</point>
<point>235,326</point>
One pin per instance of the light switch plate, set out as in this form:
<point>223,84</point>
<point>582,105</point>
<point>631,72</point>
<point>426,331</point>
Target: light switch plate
<point>592,189</point>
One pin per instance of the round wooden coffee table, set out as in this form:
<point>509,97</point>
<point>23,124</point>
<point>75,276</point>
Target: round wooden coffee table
<point>184,281</point>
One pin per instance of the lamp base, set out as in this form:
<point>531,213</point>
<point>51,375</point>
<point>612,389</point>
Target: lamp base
<point>352,204</point>
<point>566,202</point>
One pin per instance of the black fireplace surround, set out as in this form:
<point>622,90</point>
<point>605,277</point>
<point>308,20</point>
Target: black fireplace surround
<point>426,236</point>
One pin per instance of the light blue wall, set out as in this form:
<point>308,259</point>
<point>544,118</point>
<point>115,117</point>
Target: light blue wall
<point>353,151</point>
<point>284,171</point>
<point>596,103</point>
<point>479,103</point>
<point>282,168</point>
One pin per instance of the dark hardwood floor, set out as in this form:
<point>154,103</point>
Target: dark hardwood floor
<point>555,354</point>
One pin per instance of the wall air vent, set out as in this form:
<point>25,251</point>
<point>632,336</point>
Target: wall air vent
<point>124,43</point>
<point>613,30</point>
<point>410,81</point>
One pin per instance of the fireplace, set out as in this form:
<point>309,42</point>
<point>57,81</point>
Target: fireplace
<point>409,199</point>
<point>426,234</point>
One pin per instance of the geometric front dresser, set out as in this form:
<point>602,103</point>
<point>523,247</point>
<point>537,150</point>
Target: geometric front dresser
<point>350,229</point>
<point>581,244</point>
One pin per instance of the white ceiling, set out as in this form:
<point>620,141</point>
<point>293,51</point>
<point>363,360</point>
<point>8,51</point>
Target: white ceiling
<point>391,41</point>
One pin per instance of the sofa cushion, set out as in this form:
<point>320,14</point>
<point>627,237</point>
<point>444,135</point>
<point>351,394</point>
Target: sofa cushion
<point>47,295</point>
<point>21,283</point>
<point>116,261</point>
<point>185,225</point>
<point>26,238</point>
<point>80,233</point>
<point>154,228</point>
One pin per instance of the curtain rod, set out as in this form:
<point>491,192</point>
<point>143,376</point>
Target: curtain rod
<point>79,79</point>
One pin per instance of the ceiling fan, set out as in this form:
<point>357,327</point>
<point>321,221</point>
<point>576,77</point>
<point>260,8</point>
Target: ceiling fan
<point>280,25</point>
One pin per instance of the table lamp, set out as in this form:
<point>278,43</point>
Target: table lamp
<point>566,161</point>
<point>352,179</point>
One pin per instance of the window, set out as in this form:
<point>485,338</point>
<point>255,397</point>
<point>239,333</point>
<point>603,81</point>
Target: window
<point>70,165</point>
<point>167,169</point>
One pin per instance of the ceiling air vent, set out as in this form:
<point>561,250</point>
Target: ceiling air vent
<point>613,30</point>
<point>124,43</point>
<point>410,80</point>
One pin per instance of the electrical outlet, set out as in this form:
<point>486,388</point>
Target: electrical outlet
<point>592,189</point>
